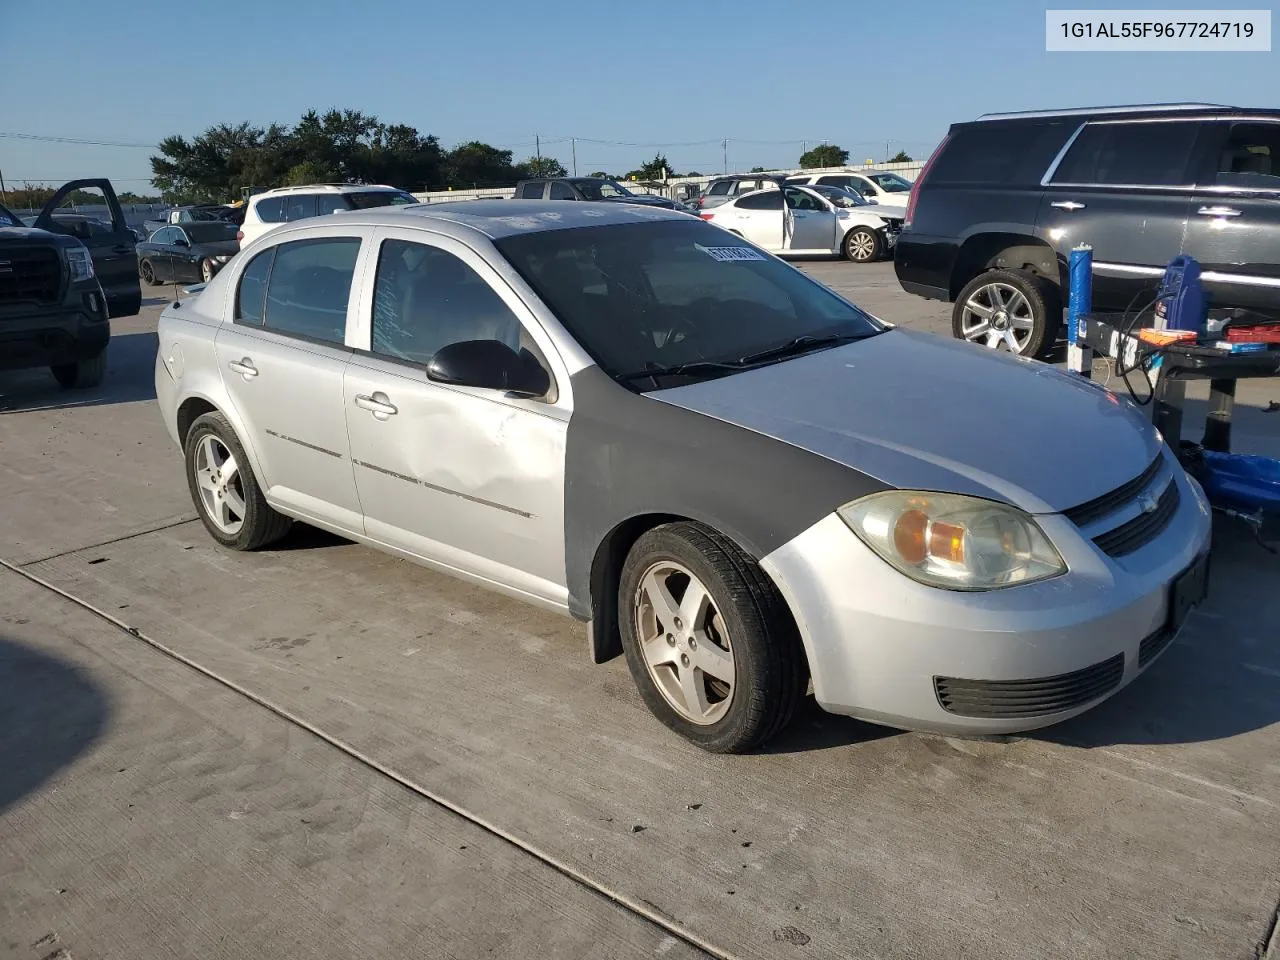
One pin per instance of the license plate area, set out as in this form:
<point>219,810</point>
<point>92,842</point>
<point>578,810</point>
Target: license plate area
<point>1189,589</point>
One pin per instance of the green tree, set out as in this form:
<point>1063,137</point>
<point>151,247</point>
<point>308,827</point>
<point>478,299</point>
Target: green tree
<point>310,171</point>
<point>900,157</point>
<point>602,175</point>
<point>656,169</point>
<point>544,167</point>
<point>478,164</point>
<point>824,155</point>
<point>756,170</point>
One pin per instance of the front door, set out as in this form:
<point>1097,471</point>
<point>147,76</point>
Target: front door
<point>114,253</point>
<point>760,218</point>
<point>1234,227</point>
<point>470,479</point>
<point>282,361</point>
<point>813,223</point>
<point>1121,186</point>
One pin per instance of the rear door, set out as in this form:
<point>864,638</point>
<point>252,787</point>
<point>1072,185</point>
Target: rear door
<point>1122,186</point>
<point>1234,226</point>
<point>115,258</point>
<point>758,217</point>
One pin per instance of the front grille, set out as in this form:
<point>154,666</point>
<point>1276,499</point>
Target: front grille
<point>1014,699</point>
<point>1097,508</point>
<point>1154,645</point>
<point>29,274</point>
<point>1143,528</point>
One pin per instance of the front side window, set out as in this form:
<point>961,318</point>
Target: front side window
<point>425,298</point>
<point>270,209</point>
<point>299,206</point>
<point>720,188</point>
<point>165,235</point>
<point>253,288</point>
<point>309,287</point>
<point>7,219</point>
<point>327,203</point>
<point>562,191</point>
<point>531,191</point>
<point>213,231</point>
<point>764,200</point>
<point>368,199</point>
<point>803,200</point>
<point>1122,154</point>
<point>1250,157</point>
<point>645,296</point>
<point>890,182</point>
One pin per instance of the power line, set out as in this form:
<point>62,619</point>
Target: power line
<point>41,138</point>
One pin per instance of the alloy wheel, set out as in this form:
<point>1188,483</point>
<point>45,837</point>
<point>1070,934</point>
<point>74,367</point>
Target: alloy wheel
<point>221,490</point>
<point>998,315</point>
<point>862,246</point>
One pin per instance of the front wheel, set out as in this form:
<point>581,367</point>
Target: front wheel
<point>207,270</point>
<point>863,245</point>
<point>148,272</point>
<point>1012,310</point>
<point>82,375</point>
<point>708,639</point>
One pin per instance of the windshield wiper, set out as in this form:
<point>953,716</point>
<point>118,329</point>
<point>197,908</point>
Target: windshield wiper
<point>653,370</point>
<point>804,344</point>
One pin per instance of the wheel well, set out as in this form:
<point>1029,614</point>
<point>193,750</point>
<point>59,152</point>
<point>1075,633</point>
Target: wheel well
<point>1004,251</point>
<point>606,568</point>
<point>188,412</point>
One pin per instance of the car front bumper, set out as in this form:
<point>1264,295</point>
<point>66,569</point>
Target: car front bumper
<point>49,336</point>
<point>884,648</point>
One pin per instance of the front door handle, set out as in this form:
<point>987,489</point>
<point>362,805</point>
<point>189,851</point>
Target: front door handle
<point>244,367</point>
<point>1067,204</point>
<point>1218,212</point>
<point>379,405</point>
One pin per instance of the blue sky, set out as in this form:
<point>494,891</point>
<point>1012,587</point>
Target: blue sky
<point>856,74</point>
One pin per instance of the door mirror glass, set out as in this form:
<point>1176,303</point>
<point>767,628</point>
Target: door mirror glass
<point>489,364</point>
<point>181,241</point>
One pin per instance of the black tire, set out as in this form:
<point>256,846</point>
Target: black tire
<point>262,525</point>
<point>148,272</point>
<point>771,673</point>
<point>83,375</point>
<point>863,245</point>
<point>1042,296</point>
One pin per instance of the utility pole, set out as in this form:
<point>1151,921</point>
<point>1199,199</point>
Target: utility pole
<point>886,150</point>
<point>2,192</point>
<point>573,145</point>
<point>726,156</point>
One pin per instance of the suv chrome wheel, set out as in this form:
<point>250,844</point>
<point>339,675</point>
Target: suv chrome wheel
<point>998,314</point>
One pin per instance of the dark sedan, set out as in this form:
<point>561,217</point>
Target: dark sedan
<point>187,252</point>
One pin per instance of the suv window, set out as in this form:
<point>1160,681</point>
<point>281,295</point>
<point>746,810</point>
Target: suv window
<point>996,152</point>
<point>1250,157</point>
<point>309,287</point>
<point>531,191</point>
<point>253,288</point>
<point>764,200</point>
<point>299,206</point>
<point>329,203</point>
<point>270,209</point>
<point>425,298</point>
<point>720,188</point>
<point>1143,154</point>
<point>562,191</point>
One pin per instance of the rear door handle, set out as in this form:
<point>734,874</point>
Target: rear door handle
<point>1218,212</point>
<point>244,367</point>
<point>379,405</point>
<point>1067,204</point>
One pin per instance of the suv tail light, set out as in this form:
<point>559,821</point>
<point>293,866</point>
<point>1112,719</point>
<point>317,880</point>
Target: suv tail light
<point>915,187</point>
<point>239,236</point>
<point>707,216</point>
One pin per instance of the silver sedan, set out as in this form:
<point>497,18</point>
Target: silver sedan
<point>733,476</point>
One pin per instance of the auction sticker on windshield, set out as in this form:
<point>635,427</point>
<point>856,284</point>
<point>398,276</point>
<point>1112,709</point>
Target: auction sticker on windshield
<point>725,254</point>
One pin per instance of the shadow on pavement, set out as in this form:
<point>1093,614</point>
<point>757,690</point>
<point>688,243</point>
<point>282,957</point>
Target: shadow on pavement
<point>1219,679</point>
<point>813,728</point>
<point>130,378</point>
<point>50,714</point>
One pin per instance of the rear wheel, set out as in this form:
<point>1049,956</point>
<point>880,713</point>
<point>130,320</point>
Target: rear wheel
<point>708,639</point>
<point>863,245</point>
<point>207,270</point>
<point>148,272</point>
<point>1010,310</point>
<point>81,375</point>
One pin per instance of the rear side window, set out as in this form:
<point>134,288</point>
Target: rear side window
<point>309,287</point>
<point>720,188</point>
<point>270,209</point>
<point>253,289</point>
<point>299,206</point>
<point>369,199</point>
<point>562,191</point>
<point>999,153</point>
<point>1117,154</point>
<point>765,200</point>
<point>531,191</point>
<point>329,203</point>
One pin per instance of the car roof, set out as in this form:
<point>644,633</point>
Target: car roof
<point>327,188</point>
<point>496,219</point>
<point>1136,110</point>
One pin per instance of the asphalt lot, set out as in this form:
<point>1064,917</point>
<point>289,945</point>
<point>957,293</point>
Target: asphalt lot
<point>319,751</point>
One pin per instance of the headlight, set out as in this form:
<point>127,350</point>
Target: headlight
<point>222,258</point>
<point>955,542</point>
<point>80,262</point>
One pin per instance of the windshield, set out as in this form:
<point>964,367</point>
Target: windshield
<point>658,294</point>
<point>890,182</point>
<point>7,219</point>
<point>210,232</point>
<point>841,197</point>
<point>379,198</point>
<point>602,190</point>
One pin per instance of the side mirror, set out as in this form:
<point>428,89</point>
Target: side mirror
<point>181,242</point>
<point>489,364</point>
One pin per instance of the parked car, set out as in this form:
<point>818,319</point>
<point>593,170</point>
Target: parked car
<point>877,186</point>
<point>1004,198</point>
<point>187,252</point>
<point>194,213</point>
<point>270,208</point>
<point>586,188</point>
<point>814,223</point>
<point>737,480</point>
<point>723,189</point>
<point>60,280</point>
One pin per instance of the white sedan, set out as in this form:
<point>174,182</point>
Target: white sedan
<point>810,223</point>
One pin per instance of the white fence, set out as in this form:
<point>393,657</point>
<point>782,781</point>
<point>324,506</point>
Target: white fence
<point>907,170</point>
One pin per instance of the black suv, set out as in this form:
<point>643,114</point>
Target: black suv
<point>586,188</point>
<point>998,207</point>
<point>60,280</point>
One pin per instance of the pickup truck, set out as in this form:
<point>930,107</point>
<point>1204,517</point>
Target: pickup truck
<point>586,188</point>
<point>60,283</point>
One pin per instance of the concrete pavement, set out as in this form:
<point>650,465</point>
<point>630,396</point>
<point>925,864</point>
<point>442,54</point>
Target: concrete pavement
<point>1148,828</point>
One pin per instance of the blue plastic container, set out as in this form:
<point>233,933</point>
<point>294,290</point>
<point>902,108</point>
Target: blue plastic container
<point>1242,482</point>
